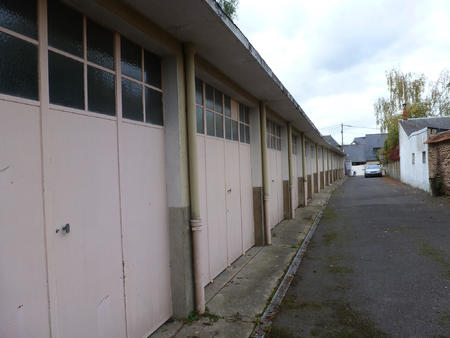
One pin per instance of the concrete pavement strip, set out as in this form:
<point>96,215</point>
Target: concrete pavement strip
<point>238,297</point>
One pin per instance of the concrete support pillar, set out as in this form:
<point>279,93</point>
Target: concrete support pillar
<point>291,173</point>
<point>323,166</point>
<point>317,168</point>
<point>196,222</point>
<point>265,172</point>
<point>305,182</point>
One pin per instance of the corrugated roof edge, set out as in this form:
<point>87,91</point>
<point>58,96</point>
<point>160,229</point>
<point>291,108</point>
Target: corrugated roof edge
<point>252,50</point>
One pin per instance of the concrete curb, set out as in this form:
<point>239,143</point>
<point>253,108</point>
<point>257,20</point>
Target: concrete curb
<point>272,309</point>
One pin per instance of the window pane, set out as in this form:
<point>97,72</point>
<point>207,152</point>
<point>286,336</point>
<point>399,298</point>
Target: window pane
<point>152,69</point>
<point>234,127</point>
<point>65,28</point>
<point>247,134</point>
<point>228,129</point>
<point>18,67</point>
<point>19,16</point>
<point>242,114</point>
<point>227,103</point>
<point>209,93</point>
<point>131,59</point>
<point>66,81</point>
<point>100,45</point>
<point>132,100</point>
<point>198,92</point>
<point>242,133</point>
<point>101,91</point>
<point>210,123</point>
<point>218,101</point>
<point>247,117</point>
<point>200,126</point>
<point>219,125</point>
<point>153,107</point>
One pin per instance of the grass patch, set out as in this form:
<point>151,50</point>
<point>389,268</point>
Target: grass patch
<point>280,332</point>
<point>436,255</point>
<point>339,269</point>
<point>346,322</point>
<point>329,214</point>
<point>329,237</point>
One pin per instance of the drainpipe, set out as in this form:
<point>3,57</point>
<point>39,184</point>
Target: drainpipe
<point>317,168</point>
<point>196,222</point>
<point>291,172</point>
<point>265,172</point>
<point>305,179</point>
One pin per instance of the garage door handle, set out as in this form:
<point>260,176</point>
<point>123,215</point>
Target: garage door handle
<point>229,190</point>
<point>65,228</point>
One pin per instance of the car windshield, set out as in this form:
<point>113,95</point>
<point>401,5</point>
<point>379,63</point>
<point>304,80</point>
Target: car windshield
<point>373,166</point>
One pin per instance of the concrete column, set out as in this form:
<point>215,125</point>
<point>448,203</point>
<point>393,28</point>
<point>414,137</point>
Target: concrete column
<point>305,182</point>
<point>196,222</point>
<point>257,183</point>
<point>265,172</point>
<point>317,168</point>
<point>328,167</point>
<point>291,173</point>
<point>323,166</point>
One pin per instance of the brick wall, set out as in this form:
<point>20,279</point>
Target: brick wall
<point>439,162</point>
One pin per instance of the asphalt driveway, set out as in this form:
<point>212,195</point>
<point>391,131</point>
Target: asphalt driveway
<point>378,265</point>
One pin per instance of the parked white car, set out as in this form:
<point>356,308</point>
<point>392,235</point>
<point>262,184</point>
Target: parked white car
<point>373,170</point>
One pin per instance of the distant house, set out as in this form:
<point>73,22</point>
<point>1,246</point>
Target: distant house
<point>362,150</point>
<point>414,163</point>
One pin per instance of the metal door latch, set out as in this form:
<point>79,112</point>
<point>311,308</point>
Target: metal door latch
<point>65,228</point>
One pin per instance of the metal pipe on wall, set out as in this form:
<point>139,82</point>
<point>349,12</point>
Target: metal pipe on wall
<point>196,222</point>
<point>265,172</point>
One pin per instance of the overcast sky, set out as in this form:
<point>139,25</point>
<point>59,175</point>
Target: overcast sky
<point>332,55</point>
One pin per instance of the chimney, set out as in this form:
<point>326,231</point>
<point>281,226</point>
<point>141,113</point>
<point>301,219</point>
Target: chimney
<point>405,112</point>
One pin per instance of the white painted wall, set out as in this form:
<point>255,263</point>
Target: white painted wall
<point>414,174</point>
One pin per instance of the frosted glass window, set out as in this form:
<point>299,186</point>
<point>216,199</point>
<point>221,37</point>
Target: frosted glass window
<point>152,69</point>
<point>65,28</point>
<point>219,125</point>
<point>153,107</point>
<point>234,129</point>
<point>131,59</point>
<point>209,123</point>
<point>198,92</point>
<point>66,81</point>
<point>19,16</point>
<point>209,93</point>
<point>18,67</point>
<point>218,101</point>
<point>227,129</point>
<point>101,91</point>
<point>100,45</point>
<point>227,103</point>
<point>242,131</point>
<point>200,127</point>
<point>132,100</point>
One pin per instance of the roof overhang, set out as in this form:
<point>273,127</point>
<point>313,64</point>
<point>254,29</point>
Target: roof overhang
<point>220,42</point>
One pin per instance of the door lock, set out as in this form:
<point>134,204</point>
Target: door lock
<point>65,228</point>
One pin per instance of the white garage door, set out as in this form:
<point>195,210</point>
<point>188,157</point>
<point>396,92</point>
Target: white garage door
<point>105,196</point>
<point>275,173</point>
<point>224,179</point>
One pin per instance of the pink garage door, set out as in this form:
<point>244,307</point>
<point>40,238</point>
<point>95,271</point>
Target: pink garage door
<point>226,193</point>
<point>145,228</point>
<point>275,173</point>
<point>23,278</point>
<point>85,270</point>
